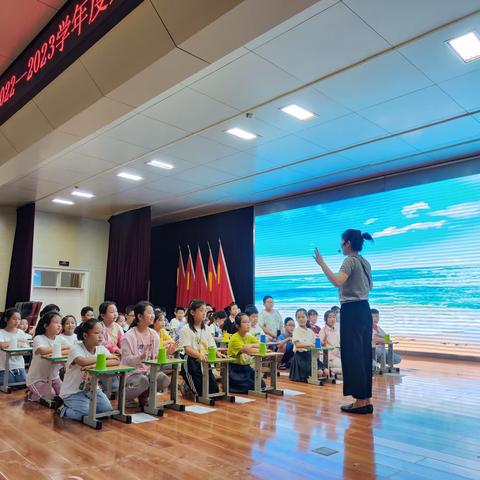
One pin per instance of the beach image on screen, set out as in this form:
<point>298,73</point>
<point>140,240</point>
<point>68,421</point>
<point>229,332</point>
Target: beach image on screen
<point>425,257</point>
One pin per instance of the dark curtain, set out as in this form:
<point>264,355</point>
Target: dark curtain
<point>20,277</point>
<point>235,228</point>
<point>128,264</point>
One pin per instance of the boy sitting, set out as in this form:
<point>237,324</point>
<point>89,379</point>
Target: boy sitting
<point>378,341</point>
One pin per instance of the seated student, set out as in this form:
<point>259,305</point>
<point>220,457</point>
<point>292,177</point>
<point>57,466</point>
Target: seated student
<point>301,367</point>
<point>86,313</point>
<point>122,322</point>
<point>196,340</point>
<point>76,388</point>
<point>285,345</point>
<point>330,337</point>
<point>68,327</point>
<point>255,329</point>
<point>165,339</point>
<point>141,343</point>
<point>241,346</point>
<point>216,323</point>
<point>9,335</point>
<point>378,340</point>
<point>178,321</point>
<point>24,328</point>
<point>313,319</point>
<point>112,332</point>
<point>40,370</point>
<point>209,308</point>
<point>129,316</point>
<point>229,325</point>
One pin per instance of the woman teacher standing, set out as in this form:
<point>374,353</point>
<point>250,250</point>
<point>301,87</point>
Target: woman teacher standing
<point>354,282</point>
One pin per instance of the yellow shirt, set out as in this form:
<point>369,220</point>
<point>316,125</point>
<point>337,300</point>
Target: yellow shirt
<point>235,346</point>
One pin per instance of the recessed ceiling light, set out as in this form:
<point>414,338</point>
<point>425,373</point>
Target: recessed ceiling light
<point>467,46</point>
<point>79,193</point>
<point>238,132</point>
<point>62,201</point>
<point>129,176</point>
<point>298,112</point>
<point>159,164</point>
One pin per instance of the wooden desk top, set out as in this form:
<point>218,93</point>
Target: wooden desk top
<point>116,369</point>
<point>61,359</point>
<point>170,361</point>
<point>268,354</point>
<point>17,350</point>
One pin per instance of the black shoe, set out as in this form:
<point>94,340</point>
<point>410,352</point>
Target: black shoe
<point>359,410</point>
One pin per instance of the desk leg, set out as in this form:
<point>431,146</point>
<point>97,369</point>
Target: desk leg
<point>313,378</point>
<point>225,373</point>
<point>90,419</point>
<point>258,392</point>
<point>273,371</point>
<point>122,416</point>
<point>151,406</point>
<point>374,360</point>
<point>5,388</point>
<point>331,376</point>
<point>174,391</point>
<point>383,365</point>
<point>205,397</point>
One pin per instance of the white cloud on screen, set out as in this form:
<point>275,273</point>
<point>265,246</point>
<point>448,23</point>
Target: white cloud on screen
<point>410,211</point>
<point>460,210</point>
<point>390,231</point>
<point>370,221</point>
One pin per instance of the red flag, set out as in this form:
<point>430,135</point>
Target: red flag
<point>189,280</point>
<point>211,280</point>
<point>224,287</point>
<point>180,280</point>
<point>200,290</point>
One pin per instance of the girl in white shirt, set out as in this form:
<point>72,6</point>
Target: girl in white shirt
<point>215,326</point>
<point>303,338</point>
<point>40,370</point>
<point>76,387</point>
<point>196,340</point>
<point>68,327</point>
<point>9,335</point>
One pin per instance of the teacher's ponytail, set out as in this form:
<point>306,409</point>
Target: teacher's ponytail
<point>367,236</point>
<point>356,238</point>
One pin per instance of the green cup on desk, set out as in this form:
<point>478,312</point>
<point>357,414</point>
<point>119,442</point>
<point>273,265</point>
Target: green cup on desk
<point>162,355</point>
<point>101,361</point>
<point>387,339</point>
<point>263,349</point>
<point>212,354</point>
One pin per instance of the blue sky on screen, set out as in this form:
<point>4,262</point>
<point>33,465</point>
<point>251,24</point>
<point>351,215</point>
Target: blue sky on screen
<point>424,225</point>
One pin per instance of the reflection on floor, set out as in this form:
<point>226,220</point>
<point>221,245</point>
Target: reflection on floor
<point>425,426</point>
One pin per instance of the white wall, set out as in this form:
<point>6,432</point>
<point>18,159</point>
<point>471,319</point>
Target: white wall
<point>8,222</point>
<point>82,242</point>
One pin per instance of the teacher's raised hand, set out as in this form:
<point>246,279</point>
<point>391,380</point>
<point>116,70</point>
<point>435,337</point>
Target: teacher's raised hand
<point>318,258</point>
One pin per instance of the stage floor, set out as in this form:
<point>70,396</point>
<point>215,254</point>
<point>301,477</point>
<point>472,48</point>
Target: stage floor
<point>426,426</point>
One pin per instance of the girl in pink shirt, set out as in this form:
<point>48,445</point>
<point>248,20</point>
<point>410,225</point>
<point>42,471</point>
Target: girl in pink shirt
<point>141,343</point>
<point>330,337</point>
<point>112,331</point>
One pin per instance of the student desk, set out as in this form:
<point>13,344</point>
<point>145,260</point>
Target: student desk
<point>315,351</point>
<point>92,418</point>
<point>12,352</point>
<point>54,361</point>
<point>207,397</point>
<point>221,342</point>
<point>384,367</point>
<point>270,360</point>
<point>153,407</point>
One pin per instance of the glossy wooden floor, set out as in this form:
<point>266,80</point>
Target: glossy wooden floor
<point>426,426</point>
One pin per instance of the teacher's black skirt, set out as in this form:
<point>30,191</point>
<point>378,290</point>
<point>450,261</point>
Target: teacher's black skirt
<point>356,348</point>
